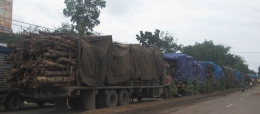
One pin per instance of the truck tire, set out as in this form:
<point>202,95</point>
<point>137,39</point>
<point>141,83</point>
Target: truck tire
<point>13,103</point>
<point>165,93</point>
<point>74,103</point>
<point>110,99</point>
<point>40,103</point>
<point>123,98</point>
<point>139,98</point>
<point>99,99</point>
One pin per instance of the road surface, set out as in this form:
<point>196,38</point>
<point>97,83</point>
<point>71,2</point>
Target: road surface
<point>235,103</point>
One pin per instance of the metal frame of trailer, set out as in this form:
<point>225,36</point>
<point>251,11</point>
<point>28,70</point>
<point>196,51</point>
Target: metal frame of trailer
<point>88,98</point>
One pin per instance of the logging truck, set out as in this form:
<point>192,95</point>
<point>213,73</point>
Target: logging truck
<point>86,74</point>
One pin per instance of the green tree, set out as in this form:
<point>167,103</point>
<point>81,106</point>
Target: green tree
<point>84,13</point>
<point>208,51</point>
<point>160,40</point>
<point>173,89</point>
<point>65,28</point>
<point>9,38</point>
<point>190,88</point>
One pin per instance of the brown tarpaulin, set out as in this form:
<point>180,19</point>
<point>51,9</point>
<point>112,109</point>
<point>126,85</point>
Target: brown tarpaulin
<point>102,61</point>
<point>230,76</point>
<point>122,65</point>
<point>95,59</point>
<point>132,61</point>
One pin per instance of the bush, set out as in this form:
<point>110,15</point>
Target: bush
<point>173,89</point>
<point>196,88</point>
<point>222,83</point>
<point>190,87</point>
<point>209,86</point>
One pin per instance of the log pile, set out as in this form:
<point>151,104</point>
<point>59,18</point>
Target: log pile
<point>210,71</point>
<point>44,58</point>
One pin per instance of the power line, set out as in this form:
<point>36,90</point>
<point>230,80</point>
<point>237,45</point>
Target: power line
<point>21,26</point>
<point>26,23</point>
<point>245,52</point>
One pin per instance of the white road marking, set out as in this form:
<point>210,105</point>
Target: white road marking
<point>241,99</point>
<point>229,105</point>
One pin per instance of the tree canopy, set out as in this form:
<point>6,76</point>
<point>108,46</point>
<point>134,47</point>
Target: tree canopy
<point>65,28</point>
<point>84,13</point>
<point>9,38</point>
<point>208,51</point>
<point>161,40</point>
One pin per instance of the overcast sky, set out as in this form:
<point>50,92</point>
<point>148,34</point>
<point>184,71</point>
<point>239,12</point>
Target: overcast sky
<point>234,23</point>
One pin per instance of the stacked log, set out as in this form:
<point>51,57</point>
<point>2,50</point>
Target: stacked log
<point>43,58</point>
<point>210,71</point>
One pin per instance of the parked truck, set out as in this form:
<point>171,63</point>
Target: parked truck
<point>106,74</point>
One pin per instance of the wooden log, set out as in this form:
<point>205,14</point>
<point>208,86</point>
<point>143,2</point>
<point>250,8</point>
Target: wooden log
<point>70,37</point>
<point>41,66</point>
<point>26,36</point>
<point>66,60</point>
<point>12,45</point>
<point>57,79</point>
<point>48,55</point>
<point>62,54</point>
<point>23,66</point>
<point>34,34</point>
<point>55,37</point>
<point>51,51</point>
<point>45,48</point>
<point>60,48</point>
<point>9,58</point>
<point>43,33</point>
<point>43,37</point>
<point>41,40</point>
<point>69,42</point>
<point>33,51</point>
<point>24,40</point>
<point>19,49</point>
<point>56,73</point>
<point>66,45</point>
<point>15,71</point>
<point>50,43</point>
<point>56,65</point>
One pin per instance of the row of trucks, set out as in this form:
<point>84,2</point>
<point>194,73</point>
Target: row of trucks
<point>49,67</point>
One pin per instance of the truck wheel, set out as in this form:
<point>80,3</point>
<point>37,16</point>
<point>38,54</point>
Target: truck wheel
<point>13,103</point>
<point>124,98</point>
<point>99,99</point>
<point>73,103</point>
<point>110,99</point>
<point>139,98</point>
<point>40,103</point>
<point>165,93</point>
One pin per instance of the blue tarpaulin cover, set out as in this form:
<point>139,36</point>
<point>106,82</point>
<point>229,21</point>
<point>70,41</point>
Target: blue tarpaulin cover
<point>200,72</point>
<point>184,66</point>
<point>242,78</point>
<point>238,75</point>
<point>5,49</point>
<point>253,76</point>
<point>217,70</point>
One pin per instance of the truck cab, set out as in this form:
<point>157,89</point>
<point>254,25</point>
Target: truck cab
<point>9,97</point>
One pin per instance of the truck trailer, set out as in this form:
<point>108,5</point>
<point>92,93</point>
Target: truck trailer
<point>106,74</point>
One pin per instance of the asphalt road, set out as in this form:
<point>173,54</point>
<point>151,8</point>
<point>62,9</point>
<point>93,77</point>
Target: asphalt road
<point>50,109</point>
<point>235,103</point>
